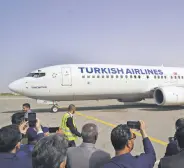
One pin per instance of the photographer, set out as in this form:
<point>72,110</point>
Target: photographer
<point>172,148</point>
<point>33,137</point>
<point>175,161</point>
<point>36,131</point>
<point>19,119</point>
<point>122,139</point>
<point>10,142</point>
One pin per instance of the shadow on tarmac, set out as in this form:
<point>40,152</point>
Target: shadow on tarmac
<point>139,106</point>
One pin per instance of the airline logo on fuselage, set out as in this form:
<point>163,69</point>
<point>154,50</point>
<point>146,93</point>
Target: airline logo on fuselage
<point>132,71</point>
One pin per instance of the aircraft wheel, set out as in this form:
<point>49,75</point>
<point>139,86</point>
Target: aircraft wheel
<point>54,109</point>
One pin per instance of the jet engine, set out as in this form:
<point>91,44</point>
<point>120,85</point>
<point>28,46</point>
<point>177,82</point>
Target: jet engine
<point>169,95</point>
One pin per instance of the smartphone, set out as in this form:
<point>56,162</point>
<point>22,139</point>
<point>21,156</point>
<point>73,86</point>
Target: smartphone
<point>134,124</point>
<point>32,119</point>
<point>53,129</point>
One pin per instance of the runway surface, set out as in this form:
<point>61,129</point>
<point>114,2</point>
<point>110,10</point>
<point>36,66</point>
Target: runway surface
<point>106,114</point>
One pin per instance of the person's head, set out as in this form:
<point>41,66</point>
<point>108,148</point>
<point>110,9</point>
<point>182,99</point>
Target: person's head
<point>179,135</point>
<point>10,139</point>
<point>18,118</point>
<point>122,139</point>
<point>89,133</point>
<point>179,123</point>
<point>71,108</point>
<point>26,107</point>
<point>50,152</point>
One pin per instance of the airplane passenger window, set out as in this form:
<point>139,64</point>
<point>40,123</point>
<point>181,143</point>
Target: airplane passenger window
<point>181,77</point>
<point>121,76</point>
<point>112,76</point>
<point>130,76</point>
<point>83,76</point>
<point>135,76</point>
<point>107,76</point>
<point>171,77</point>
<point>139,76</point>
<point>161,77</point>
<point>93,76</point>
<point>117,76</point>
<point>88,76</point>
<point>98,76</point>
<point>102,76</point>
<point>147,77</point>
<point>165,77</point>
<point>158,77</point>
<point>175,77</point>
<point>126,76</point>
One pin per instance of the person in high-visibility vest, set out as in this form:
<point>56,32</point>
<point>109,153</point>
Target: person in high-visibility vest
<point>68,126</point>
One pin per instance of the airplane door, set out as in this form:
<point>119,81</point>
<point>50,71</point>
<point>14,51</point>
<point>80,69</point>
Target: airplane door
<point>66,77</point>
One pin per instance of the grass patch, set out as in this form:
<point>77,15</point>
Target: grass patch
<point>8,94</point>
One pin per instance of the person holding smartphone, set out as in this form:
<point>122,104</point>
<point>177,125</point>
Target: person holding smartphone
<point>122,138</point>
<point>172,148</point>
<point>35,130</point>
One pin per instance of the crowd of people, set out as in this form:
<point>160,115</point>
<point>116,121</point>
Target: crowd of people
<point>25,146</point>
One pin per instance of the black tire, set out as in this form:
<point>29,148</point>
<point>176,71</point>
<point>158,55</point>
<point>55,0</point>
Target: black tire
<point>54,109</point>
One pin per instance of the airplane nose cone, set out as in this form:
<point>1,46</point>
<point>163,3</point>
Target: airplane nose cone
<point>15,87</point>
<point>11,86</point>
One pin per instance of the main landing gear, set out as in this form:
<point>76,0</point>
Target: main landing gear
<point>55,108</point>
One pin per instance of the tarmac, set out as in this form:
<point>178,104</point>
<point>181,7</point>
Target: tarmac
<point>106,114</point>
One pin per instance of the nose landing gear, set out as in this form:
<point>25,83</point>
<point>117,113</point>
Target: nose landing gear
<point>55,108</point>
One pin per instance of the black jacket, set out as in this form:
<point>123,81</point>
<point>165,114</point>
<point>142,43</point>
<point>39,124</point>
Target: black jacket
<point>144,160</point>
<point>70,125</point>
<point>171,149</point>
<point>174,161</point>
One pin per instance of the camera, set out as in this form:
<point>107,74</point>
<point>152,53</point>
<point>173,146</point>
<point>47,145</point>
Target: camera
<point>134,124</point>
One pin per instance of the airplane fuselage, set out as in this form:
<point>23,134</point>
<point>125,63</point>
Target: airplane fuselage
<point>126,83</point>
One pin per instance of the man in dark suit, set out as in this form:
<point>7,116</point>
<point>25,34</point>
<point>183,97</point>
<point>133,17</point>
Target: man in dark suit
<point>10,141</point>
<point>28,134</point>
<point>122,139</point>
<point>172,148</point>
<point>87,155</point>
<point>19,118</point>
<point>33,135</point>
<point>175,161</point>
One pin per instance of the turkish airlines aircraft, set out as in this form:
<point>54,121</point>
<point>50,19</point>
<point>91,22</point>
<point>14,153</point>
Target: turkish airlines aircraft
<point>126,83</point>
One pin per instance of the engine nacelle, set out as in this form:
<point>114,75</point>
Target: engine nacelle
<point>169,95</point>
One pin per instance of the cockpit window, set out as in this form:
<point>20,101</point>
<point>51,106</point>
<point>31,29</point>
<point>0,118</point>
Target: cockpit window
<point>36,75</point>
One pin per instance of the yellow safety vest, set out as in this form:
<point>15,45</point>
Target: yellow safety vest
<point>66,130</point>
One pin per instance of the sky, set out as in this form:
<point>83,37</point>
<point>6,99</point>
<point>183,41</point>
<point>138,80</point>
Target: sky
<point>36,34</point>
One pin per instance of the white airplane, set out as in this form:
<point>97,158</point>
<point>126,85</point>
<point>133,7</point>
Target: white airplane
<point>126,83</point>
